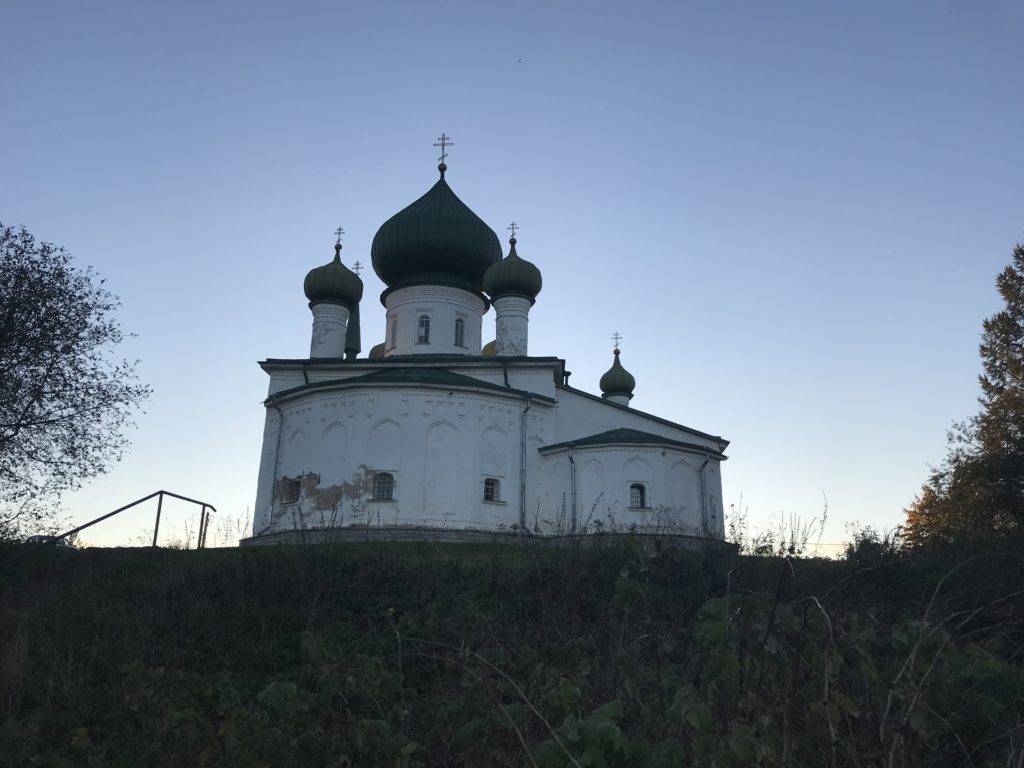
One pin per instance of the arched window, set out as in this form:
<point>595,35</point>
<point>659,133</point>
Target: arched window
<point>460,332</point>
<point>637,496</point>
<point>383,486</point>
<point>492,489</point>
<point>423,332</point>
<point>394,333</point>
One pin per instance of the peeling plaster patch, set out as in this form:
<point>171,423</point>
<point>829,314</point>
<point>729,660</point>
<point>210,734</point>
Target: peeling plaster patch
<point>330,497</point>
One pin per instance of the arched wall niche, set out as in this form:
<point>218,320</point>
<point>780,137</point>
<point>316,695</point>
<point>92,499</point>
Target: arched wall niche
<point>494,451</point>
<point>442,462</point>
<point>591,493</point>
<point>333,448</point>
<point>384,445</point>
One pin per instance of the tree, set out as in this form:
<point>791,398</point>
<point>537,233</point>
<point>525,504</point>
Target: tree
<point>65,400</point>
<point>980,485</point>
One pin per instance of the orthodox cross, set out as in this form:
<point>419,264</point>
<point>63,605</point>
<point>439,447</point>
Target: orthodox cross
<point>444,142</point>
<point>339,232</point>
<point>356,267</point>
<point>616,337</point>
<point>513,226</point>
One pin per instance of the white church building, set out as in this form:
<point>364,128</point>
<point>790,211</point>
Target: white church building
<point>437,434</point>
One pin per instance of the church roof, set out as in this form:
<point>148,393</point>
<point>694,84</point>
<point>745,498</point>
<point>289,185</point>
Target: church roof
<point>435,240</point>
<point>626,436</point>
<point>609,404</point>
<point>513,276</point>
<point>333,282</point>
<point>617,380</point>
<point>431,377</point>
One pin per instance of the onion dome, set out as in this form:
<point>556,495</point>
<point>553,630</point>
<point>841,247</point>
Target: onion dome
<point>334,283</point>
<point>377,351</point>
<point>437,240</point>
<point>490,349</point>
<point>617,380</point>
<point>513,276</point>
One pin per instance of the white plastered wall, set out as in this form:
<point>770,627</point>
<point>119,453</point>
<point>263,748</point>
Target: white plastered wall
<point>443,305</point>
<point>438,444</point>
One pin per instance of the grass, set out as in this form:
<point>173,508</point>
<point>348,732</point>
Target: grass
<point>490,654</point>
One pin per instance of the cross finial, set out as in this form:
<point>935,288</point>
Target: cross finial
<point>616,337</point>
<point>339,232</point>
<point>443,142</point>
<point>356,267</point>
<point>513,227</point>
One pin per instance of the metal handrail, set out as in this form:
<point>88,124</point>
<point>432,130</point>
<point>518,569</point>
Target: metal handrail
<point>204,522</point>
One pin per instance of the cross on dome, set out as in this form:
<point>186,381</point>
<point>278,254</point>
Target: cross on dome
<point>513,227</point>
<point>443,142</point>
<point>339,232</point>
<point>357,267</point>
<point>616,337</point>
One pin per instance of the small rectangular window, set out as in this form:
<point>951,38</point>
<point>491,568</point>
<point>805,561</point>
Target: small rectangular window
<point>288,490</point>
<point>460,332</point>
<point>492,489</point>
<point>637,496</point>
<point>384,487</point>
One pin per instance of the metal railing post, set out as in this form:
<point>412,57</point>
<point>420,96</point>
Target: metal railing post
<point>159,506</point>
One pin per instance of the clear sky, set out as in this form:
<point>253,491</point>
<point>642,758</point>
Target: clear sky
<point>794,212</point>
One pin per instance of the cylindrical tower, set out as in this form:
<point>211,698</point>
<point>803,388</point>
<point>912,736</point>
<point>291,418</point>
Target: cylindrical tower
<point>513,284</point>
<point>334,292</point>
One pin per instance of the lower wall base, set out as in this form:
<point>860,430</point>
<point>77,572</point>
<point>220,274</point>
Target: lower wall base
<point>457,536</point>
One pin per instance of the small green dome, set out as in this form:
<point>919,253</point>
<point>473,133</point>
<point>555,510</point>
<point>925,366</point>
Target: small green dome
<point>377,351</point>
<point>435,240</point>
<point>617,380</point>
<point>490,349</point>
<point>513,276</point>
<point>333,282</point>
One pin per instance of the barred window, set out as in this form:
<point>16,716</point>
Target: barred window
<point>492,489</point>
<point>637,496</point>
<point>288,490</point>
<point>394,333</point>
<point>383,487</point>
<point>460,332</point>
<point>423,332</point>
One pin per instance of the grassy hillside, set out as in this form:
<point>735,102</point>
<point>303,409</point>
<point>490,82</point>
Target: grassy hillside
<point>469,655</point>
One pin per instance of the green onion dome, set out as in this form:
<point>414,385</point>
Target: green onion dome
<point>437,240</point>
<point>334,283</point>
<point>617,380</point>
<point>513,276</point>
<point>377,351</point>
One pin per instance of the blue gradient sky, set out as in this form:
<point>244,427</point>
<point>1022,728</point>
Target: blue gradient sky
<point>794,212</point>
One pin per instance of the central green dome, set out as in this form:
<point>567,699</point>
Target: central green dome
<point>436,240</point>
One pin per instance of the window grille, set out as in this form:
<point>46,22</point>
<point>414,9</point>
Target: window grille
<point>637,496</point>
<point>492,489</point>
<point>384,487</point>
<point>289,490</point>
<point>460,332</point>
<point>423,332</point>
<point>394,334</point>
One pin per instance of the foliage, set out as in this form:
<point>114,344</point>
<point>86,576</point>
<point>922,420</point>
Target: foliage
<point>786,537</point>
<point>869,547</point>
<point>64,402</point>
<point>504,655</point>
<point>980,485</point>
